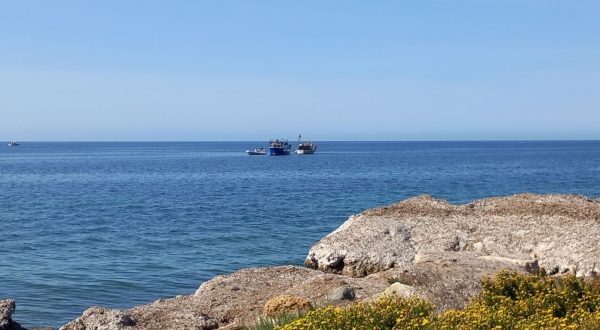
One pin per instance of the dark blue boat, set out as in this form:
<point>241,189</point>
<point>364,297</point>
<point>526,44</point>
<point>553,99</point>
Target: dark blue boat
<point>279,147</point>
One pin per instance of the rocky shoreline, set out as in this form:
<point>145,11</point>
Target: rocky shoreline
<point>422,245</point>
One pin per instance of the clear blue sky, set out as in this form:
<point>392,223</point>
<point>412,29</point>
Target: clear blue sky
<point>331,70</point>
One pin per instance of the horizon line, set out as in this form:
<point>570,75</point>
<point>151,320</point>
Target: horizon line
<point>223,141</point>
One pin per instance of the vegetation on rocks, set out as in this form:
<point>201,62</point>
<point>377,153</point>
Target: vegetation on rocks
<point>508,301</point>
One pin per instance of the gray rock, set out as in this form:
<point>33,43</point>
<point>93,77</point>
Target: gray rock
<point>100,318</point>
<point>557,230</point>
<point>344,292</point>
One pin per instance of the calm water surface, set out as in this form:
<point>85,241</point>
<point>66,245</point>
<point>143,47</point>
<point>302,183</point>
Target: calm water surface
<point>120,224</point>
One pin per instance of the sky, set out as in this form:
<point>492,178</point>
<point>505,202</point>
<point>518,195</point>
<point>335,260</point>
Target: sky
<point>331,70</point>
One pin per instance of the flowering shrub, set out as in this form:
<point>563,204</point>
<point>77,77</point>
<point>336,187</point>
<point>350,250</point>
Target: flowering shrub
<point>386,313</point>
<point>513,301</point>
<point>508,301</point>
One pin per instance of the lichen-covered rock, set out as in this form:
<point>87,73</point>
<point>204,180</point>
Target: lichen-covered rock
<point>286,304</point>
<point>557,230</point>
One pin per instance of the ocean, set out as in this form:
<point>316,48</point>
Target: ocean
<point>121,224</point>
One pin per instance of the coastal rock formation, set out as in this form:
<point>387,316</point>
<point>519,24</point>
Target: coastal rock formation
<point>253,287</point>
<point>556,230</point>
<point>236,299</point>
<point>428,247</point>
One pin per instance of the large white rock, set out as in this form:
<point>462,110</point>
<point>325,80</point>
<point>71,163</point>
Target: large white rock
<point>557,230</point>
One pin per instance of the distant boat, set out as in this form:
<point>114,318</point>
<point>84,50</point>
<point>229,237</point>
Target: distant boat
<point>279,147</point>
<point>13,143</point>
<point>305,148</point>
<point>256,152</point>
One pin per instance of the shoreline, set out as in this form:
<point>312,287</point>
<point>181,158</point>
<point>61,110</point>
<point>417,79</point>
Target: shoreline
<point>435,246</point>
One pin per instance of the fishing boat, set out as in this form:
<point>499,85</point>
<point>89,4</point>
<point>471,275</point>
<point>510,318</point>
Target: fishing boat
<point>256,152</point>
<point>13,143</point>
<point>279,147</point>
<point>305,148</point>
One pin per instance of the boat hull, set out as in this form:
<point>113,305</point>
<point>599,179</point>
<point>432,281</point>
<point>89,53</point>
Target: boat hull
<point>305,152</point>
<point>274,151</point>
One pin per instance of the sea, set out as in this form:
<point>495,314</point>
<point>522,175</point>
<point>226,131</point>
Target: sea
<point>119,224</point>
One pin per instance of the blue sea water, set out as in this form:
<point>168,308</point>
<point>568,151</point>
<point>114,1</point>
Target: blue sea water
<point>121,224</point>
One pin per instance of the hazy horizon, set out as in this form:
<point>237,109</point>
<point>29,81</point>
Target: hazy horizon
<point>339,71</point>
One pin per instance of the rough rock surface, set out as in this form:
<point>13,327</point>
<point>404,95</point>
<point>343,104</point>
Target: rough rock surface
<point>557,230</point>
<point>254,286</point>
<point>101,318</point>
<point>286,304</point>
<point>344,292</point>
<point>238,299</point>
<point>7,308</point>
<point>98,318</point>
<point>398,290</point>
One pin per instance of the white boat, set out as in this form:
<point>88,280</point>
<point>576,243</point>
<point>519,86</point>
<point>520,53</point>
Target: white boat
<point>305,148</point>
<point>13,143</point>
<point>256,152</point>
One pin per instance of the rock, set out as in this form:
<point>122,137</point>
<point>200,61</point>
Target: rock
<point>7,309</point>
<point>396,290</point>
<point>557,230</point>
<point>399,290</point>
<point>286,304</point>
<point>341,293</point>
<point>238,299</point>
<point>258,285</point>
<point>99,318</point>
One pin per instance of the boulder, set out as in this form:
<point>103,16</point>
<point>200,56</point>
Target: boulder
<point>286,304</point>
<point>399,290</point>
<point>7,309</point>
<point>556,230</point>
<point>344,292</point>
<point>396,290</point>
<point>99,318</point>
